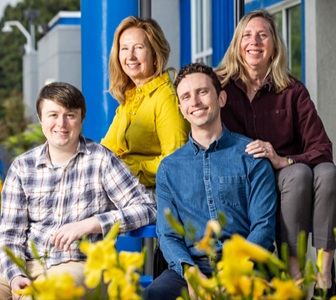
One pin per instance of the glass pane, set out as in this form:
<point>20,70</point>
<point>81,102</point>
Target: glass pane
<point>208,28</point>
<point>294,35</point>
<point>278,18</point>
<point>209,60</point>
<point>202,36</point>
<point>199,26</point>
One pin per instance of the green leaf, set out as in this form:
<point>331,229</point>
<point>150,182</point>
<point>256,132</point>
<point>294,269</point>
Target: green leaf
<point>176,225</point>
<point>302,249</point>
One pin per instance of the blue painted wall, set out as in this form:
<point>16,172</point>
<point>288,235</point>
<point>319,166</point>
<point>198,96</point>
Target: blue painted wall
<point>222,28</point>
<point>99,21</point>
<point>185,33</point>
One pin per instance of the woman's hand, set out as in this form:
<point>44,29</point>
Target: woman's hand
<point>260,149</point>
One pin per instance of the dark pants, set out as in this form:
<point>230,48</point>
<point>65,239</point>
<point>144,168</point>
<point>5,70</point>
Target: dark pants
<point>169,284</point>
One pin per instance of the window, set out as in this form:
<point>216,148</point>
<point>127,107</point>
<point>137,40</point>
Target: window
<point>289,21</point>
<point>201,29</point>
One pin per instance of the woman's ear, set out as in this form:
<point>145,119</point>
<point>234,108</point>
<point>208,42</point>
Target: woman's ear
<point>222,98</point>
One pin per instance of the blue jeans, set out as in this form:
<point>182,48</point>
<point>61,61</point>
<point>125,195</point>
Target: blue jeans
<point>169,284</point>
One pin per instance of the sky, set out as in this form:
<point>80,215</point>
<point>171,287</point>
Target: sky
<point>4,3</point>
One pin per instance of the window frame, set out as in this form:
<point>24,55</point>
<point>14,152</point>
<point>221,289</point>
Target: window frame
<point>203,9</point>
<point>284,8</point>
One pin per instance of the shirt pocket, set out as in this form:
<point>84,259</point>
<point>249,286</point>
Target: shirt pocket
<point>232,190</point>
<point>278,128</point>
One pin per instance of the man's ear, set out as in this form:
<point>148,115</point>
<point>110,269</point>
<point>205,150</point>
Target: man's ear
<point>222,98</point>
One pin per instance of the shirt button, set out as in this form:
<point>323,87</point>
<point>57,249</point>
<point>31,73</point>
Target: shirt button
<point>138,98</point>
<point>133,113</point>
<point>139,89</point>
<point>277,112</point>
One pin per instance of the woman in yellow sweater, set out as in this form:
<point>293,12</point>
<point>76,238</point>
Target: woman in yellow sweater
<point>148,124</point>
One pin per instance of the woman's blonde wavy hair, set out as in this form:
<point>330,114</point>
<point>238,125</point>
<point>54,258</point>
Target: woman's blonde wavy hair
<point>119,81</point>
<point>233,64</point>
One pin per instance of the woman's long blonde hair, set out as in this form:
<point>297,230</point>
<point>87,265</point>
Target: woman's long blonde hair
<point>119,81</point>
<point>233,64</point>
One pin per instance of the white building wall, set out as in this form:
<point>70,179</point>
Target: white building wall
<point>59,56</point>
<point>321,60</point>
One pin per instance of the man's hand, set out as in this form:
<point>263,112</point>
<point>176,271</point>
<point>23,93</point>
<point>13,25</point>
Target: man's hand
<point>191,291</point>
<point>18,283</point>
<point>68,233</point>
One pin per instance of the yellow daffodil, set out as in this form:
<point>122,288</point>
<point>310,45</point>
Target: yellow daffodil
<point>319,261</point>
<point>206,287</point>
<point>259,287</point>
<point>243,248</point>
<point>122,276</point>
<point>232,266</point>
<point>230,274</point>
<point>206,243</point>
<point>119,270</point>
<point>131,261</point>
<point>54,287</point>
<point>238,247</point>
<point>127,263</point>
<point>121,287</point>
<point>99,256</point>
<point>284,290</point>
<point>250,287</point>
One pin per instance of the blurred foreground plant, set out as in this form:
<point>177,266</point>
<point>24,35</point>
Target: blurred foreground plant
<point>245,272</point>
<point>104,266</point>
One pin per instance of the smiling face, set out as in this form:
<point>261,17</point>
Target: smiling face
<point>257,46</point>
<point>61,126</point>
<point>199,102</point>
<point>136,55</point>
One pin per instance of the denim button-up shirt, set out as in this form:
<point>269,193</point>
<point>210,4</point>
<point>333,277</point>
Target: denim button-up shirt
<point>197,184</point>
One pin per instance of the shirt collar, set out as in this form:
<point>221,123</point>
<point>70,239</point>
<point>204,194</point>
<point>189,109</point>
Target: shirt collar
<point>150,86</point>
<point>268,84</point>
<point>216,144</point>
<point>44,158</point>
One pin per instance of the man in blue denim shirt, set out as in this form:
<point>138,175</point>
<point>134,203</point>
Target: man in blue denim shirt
<point>211,173</point>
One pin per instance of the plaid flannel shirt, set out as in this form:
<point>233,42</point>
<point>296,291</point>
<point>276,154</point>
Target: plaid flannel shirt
<point>38,198</point>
